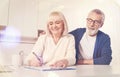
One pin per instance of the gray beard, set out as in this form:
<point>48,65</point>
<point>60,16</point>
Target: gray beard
<point>92,32</point>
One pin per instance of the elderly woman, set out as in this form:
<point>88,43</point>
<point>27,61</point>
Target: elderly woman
<point>56,48</point>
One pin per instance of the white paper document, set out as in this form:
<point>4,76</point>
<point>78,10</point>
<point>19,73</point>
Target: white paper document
<point>45,68</point>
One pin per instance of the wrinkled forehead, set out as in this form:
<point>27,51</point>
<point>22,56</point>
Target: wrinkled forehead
<point>95,16</point>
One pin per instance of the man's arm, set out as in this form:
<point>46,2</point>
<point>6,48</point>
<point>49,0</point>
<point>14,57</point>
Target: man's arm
<point>105,53</point>
<point>87,62</point>
<point>104,59</point>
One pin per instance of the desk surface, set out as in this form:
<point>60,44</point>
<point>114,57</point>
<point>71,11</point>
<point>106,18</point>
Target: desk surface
<point>81,71</point>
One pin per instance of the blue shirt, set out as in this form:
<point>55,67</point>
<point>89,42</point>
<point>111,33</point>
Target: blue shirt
<point>102,50</point>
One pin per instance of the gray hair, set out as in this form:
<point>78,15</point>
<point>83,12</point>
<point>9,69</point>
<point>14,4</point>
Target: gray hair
<point>62,18</point>
<point>98,11</point>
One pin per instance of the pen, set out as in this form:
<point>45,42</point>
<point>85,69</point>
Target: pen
<point>39,58</point>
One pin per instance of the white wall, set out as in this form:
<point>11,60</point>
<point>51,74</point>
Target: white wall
<point>23,14</point>
<point>4,6</point>
<point>20,14</point>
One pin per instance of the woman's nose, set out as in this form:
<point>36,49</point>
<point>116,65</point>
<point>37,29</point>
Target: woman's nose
<point>54,26</point>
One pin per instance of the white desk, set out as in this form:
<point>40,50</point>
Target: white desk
<point>81,71</point>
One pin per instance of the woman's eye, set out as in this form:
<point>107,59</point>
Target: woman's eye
<point>50,23</point>
<point>58,22</point>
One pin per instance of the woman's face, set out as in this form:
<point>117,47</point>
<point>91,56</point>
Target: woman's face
<point>55,25</point>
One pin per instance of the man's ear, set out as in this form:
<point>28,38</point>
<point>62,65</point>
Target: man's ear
<point>101,25</point>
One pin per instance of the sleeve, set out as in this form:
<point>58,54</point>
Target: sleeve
<point>70,55</point>
<point>38,48</point>
<point>74,32</point>
<point>106,53</point>
<point>39,45</point>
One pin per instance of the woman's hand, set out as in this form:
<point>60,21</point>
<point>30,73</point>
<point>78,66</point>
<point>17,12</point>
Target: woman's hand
<point>61,63</point>
<point>34,62</point>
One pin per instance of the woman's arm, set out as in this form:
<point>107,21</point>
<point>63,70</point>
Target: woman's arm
<point>38,50</point>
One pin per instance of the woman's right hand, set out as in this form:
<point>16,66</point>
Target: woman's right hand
<point>34,62</point>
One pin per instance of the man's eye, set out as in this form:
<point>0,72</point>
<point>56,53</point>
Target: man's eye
<point>90,20</point>
<point>98,21</point>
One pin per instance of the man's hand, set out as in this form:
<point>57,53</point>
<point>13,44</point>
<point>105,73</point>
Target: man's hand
<point>86,61</point>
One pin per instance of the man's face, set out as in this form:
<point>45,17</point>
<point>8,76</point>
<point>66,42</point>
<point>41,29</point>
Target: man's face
<point>94,22</point>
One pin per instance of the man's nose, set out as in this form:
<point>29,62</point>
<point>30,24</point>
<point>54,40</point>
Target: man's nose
<point>92,24</point>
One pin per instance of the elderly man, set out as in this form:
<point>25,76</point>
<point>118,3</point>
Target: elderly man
<point>92,45</point>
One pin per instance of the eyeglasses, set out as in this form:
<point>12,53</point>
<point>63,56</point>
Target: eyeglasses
<point>96,22</point>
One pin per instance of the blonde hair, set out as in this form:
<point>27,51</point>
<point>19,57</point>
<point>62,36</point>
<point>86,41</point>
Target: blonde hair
<point>65,31</point>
